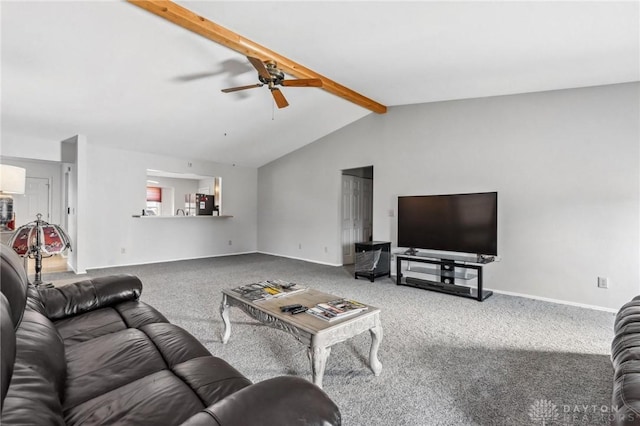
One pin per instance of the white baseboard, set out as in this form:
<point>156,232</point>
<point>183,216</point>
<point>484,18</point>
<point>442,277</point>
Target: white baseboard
<point>172,260</point>
<point>547,299</point>
<point>558,301</point>
<point>71,269</point>
<point>300,258</point>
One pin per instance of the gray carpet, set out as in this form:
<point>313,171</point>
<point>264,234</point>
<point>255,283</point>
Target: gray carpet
<point>446,360</point>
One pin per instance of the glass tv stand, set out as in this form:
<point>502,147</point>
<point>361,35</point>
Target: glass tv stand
<point>448,270</point>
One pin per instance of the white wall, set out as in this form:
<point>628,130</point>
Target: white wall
<point>117,190</point>
<point>565,165</point>
<point>39,169</point>
<point>71,151</point>
<point>111,188</point>
<point>31,147</point>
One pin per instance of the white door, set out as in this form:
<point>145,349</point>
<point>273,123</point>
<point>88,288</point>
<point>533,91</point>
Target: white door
<point>357,211</point>
<point>353,216</point>
<point>34,201</point>
<point>347,220</point>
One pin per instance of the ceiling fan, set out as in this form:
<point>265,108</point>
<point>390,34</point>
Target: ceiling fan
<point>272,76</point>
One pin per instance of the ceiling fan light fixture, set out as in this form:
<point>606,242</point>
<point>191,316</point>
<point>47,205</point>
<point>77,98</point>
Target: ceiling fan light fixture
<point>269,74</point>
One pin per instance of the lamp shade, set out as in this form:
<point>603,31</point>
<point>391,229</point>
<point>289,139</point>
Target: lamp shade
<point>39,236</point>
<point>12,179</point>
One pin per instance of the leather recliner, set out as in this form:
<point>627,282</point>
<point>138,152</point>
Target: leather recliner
<point>625,356</point>
<point>92,353</point>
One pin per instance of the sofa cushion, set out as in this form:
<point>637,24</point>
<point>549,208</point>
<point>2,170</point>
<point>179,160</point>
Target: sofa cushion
<point>100,365</point>
<point>625,357</point>
<point>157,399</point>
<point>7,345</point>
<point>136,314</point>
<point>41,348</point>
<point>96,323</point>
<point>88,326</point>
<point>13,283</point>
<point>626,399</point>
<point>628,313</point>
<point>31,400</point>
<point>88,295</point>
<point>625,347</point>
<point>37,383</point>
<point>304,406</point>
<point>107,362</point>
<point>174,343</point>
<point>211,378</point>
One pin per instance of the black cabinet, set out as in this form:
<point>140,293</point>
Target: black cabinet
<point>373,259</point>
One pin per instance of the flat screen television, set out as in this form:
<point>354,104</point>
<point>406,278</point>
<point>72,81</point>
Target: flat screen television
<point>466,223</point>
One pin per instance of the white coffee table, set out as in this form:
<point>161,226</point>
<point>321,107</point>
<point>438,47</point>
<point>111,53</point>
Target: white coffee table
<point>318,335</point>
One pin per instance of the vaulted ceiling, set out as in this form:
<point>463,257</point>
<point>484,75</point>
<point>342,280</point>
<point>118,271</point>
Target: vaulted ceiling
<point>129,79</point>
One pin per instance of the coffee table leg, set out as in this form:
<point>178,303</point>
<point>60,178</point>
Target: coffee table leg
<point>224,311</point>
<point>318,356</point>
<point>376,338</point>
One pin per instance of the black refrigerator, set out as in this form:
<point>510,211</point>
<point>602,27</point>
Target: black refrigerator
<point>199,205</point>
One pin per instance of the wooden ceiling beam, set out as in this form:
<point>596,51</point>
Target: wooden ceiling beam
<point>214,32</point>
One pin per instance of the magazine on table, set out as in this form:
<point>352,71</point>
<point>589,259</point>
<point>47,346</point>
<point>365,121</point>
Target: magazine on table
<point>268,289</point>
<point>336,309</point>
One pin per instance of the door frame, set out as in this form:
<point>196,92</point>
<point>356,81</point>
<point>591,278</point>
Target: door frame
<point>363,173</point>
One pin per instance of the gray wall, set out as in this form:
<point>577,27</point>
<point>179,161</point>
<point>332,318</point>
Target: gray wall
<point>565,165</point>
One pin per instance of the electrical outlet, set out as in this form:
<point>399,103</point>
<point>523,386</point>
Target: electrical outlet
<point>123,250</point>
<point>300,246</point>
<point>603,282</point>
<point>326,250</point>
<point>229,242</point>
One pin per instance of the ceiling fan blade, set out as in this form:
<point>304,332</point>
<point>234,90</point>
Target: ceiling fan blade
<point>303,82</point>
<point>279,98</point>
<point>259,65</point>
<point>235,89</point>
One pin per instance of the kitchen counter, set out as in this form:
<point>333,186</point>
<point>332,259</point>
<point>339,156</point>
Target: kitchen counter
<point>138,216</point>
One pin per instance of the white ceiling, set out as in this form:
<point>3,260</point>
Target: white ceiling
<point>121,76</point>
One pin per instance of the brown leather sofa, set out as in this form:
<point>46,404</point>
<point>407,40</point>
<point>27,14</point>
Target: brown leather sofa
<point>93,353</point>
<point>625,356</point>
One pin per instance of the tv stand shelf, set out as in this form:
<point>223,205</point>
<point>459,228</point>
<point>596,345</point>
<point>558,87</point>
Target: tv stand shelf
<point>440,273</point>
<point>447,273</point>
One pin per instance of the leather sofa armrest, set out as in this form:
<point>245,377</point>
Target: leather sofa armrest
<point>283,401</point>
<point>7,347</point>
<point>88,295</point>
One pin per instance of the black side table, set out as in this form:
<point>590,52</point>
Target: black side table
<point>373,259</point>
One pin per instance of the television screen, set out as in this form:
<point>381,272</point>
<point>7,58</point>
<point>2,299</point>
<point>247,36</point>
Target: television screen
<point>466,223</point>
